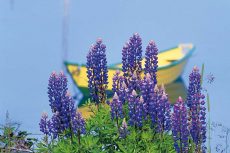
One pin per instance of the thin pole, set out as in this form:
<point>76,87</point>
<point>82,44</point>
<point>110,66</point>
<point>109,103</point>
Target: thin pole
<point>65,31</point>
<point>12,4</point>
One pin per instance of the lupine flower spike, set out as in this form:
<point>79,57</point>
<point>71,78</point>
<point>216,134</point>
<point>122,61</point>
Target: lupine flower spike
<point>62,105</point>
<point>122,92</point>
<point>56,125</point>
<point>116,107</point>
<point>180,127</point>
<point>152,107</point>
<point>163,114</point>
<point>131,104</point>
<point>119,86</point>
<point>151,60</point>
<point>79,124</point>
<point>116,81</point>
<point>134,83</point>
<point>45,124</point>
<point>57,88</point>
<point>132,57</point>
<point>140,111</point>
<point>147,92</point>
<point>97,72</point>
<point>124,129</point>
<point>135,110</point>
<point>197,110</point>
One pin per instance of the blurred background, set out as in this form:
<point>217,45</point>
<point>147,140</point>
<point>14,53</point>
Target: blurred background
<point>36,35</point>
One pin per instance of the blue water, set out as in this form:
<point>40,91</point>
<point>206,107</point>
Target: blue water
<point>31,44</point>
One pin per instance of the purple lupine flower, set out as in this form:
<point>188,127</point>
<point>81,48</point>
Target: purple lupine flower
<point>68,113</point>
<point>198,124</point>
<point>194,87</point>
<point>147,92</point>
<point>154,105</point>
<point>57,88</point>
<point>139,111</point>
<point>45,124</point>
<point>67,118</point>
<point>163,114</point>
<point>123,129</point>
<point>125,64</point>
<point>132,56</point>
<point>197,110</point>
<point>97,72</point>
<point>152,111</point>
<point>116,81</point>
<point>62,105</point>
<point>180,130</point>
<point>134,83</point>
<point>56,126</point>
<point>116,108</point>
<point>119,86</point>
<point>122,92</point>
<point>151,60</point>
<point>79,123</point>
<point>65,114</point>
<point>131,105</point>
<point>135,105</point>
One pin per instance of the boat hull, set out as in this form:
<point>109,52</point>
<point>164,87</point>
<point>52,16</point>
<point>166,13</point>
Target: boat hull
<point>166,74</point>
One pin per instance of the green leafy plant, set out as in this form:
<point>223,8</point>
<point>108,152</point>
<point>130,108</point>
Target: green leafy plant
<point>12,139</point>
<point>103,136</point>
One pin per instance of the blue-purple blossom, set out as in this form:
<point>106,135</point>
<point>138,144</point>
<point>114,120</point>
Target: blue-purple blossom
<point>197,110</point>
<point>158,108</point>
<point>62,105</point>
<point>140,106</point>
<point>66,118</point>
<point>124,129</point>
<point>57,88</point>
<point>45,124</point>
<point>151,60</point>
<point>135,105</point>
<point>163,114</point>
<point>116,108</point>
<point>147,92</point>
<point>97,72</point>
<point>76,124</point>
<point>125,64</point>
<point>152,111</point>
<point>79,123</point>
<point>180,130</point>
<point>116,81</point>
<point>56,127</point>
<point>194,87</point>
<point>67,112</point>
<point>134,83</point>
<point>122,92</point>
<point>132,56</point>
<point>119,86</point>
<point>131,105</point>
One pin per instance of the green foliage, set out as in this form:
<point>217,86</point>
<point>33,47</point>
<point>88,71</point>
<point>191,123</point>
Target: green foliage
<point>102,135</point>
<point>13,139</point>
<point>202,74</point>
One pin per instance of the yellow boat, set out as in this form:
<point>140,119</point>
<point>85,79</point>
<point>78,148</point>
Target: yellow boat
<point>171,63</point>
